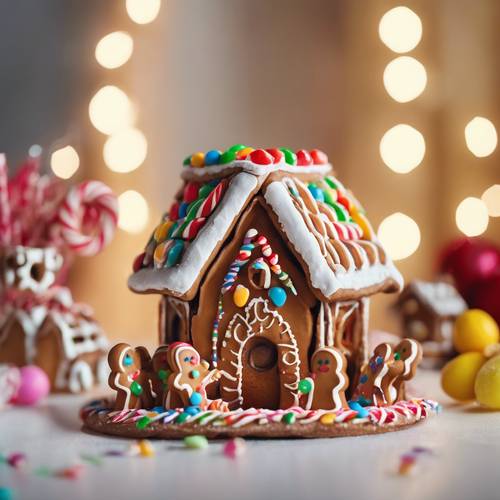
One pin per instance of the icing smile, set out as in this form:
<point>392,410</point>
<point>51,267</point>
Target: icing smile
<point>323,368</point>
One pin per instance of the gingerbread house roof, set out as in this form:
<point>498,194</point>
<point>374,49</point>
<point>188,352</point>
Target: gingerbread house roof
<point>322,223</point>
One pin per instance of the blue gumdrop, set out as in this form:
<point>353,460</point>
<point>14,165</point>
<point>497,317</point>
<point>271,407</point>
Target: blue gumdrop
<point>159,409</point>
<point>192,410</point>
<point>316,192</point>
<point>183,207</point>
<point>196,399</point>
<point>277,295</point>
<point>212,157</point>
<point>362,412</point>
<point>174,254</point>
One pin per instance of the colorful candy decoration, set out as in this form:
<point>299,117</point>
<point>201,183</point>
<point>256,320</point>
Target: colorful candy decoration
<point>88,217</point>
<point>270,156</point>
<point>250,242</point>
<point>240,295</point>
<point>34,386</point>
<point>277,296</point>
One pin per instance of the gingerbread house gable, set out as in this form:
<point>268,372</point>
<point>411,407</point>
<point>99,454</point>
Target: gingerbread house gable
<point>323,225</point>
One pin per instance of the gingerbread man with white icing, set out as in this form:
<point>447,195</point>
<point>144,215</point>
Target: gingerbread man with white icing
<point>328,381</point>
<point>129,377</point>
<point>408,351</point>
<point>189,378</point>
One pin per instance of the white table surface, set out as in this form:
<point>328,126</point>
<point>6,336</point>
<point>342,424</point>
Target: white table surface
<point>465,464</point>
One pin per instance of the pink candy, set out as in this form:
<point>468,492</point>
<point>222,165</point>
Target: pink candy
<point>34,386</point>
<point>234,447</point>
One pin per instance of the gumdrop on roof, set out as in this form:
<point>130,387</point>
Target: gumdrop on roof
<point>320,220</point>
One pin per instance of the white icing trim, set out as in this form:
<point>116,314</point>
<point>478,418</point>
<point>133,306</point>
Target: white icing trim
<point>180,279</point>
<point>252,168</point>
<point>322,276</point>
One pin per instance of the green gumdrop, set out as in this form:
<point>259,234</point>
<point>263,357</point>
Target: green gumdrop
<point>163,375</point>
<point>289,418</point>
<point>135,388</point>
<point>341,212</point>
<point>332,184</point>
<point>236,148</point>
<point>305,386</point>
<point>192,210</point>
<point>290,156</point>
<point>205,190</point>
<point>187,160</point>
<point>143,422</point>
<point>182,418</point>
<point>328,197</point>
<point>227,157</point>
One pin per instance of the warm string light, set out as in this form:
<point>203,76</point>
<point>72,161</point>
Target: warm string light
<point>125,151</point>
<point>491,198</point>
<point>481,137</point>
<point>133,212</point>
<point>64,162</point>
<point>400,235</point>
<point>143,11</point>
<point>110,110</point>
<point>405,78</point>
<point>400,29</point>
<point>114,50</point>
<point>402,148</point>
<point>472,216</point>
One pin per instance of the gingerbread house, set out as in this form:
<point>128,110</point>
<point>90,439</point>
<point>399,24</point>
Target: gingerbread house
<point>263,257</point>
<point>428,311</point>
<point>41,324</point>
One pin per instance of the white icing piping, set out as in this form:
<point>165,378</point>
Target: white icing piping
<point>252,168</point>
<point>179,279</point>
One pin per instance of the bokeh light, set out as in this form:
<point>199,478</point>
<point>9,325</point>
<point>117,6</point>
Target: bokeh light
<point>114,49</point>
<point>481,136</point>
<point>64,162</point>
<point>35,150</point>
<point>125,151</point>
<point>472,216</point>
<point>405,78</point>
<point>402,148</point>
<point>399,235</point>
<point>143,11</point>
<point>400,29</point>
<point>491,198</point>
<point>110,110</point>
<point>133,212</point>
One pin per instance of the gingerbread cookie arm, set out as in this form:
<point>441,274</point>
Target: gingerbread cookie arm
<point>410,353</point>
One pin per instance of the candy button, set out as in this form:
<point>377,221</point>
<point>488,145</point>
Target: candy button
<point>290,156</point>
<point>227,157</point>
<point>243,153</point>
<point>328,418</point>
<point>305,386</point>
<point>487,386</point>
<point>175,252</point>
<point>318,157</point>
<point>194,373</point>
<point>182,418</point>
<point>137,265</point>
<point>276,154</point>
<point>196,399</point>
<point>205,190</point>
<point>143,422</point>
<point>260,157</point>
<point>135,388</point>
<point>303,158</point>
<point>289,418</point>
<point>187,161</point>
<point>192,410</point>
<point>195,442</point>
<point>317,193</point>
<point>277,295</point>
<point>198,159</point>
<point>362,412</point>
<point>161,231</point>
<point>191,192</point>
<point>240,295</point>
<point>212,157</point>
<point>173,213</point>
<point>236,147</point>
<point>160,253</point>
<point>183,207</point>
<point>344,201</point>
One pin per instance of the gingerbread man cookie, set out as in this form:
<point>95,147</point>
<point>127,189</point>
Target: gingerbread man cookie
<point>189,378</point>
<point>409,351</point>
<point>160,373</point>
<point>328,381</point>
<point>376,384</point>
<point>128,378</point>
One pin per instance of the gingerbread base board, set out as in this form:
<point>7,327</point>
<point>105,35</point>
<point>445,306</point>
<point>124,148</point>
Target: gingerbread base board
<point>292,423</point>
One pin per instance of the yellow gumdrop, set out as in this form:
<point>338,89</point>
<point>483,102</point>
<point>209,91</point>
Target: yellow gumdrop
<point>487,386</point>
<point>240,295</point>
<point>161,231</point>
<point>327,418</point>
<point>459,374</point>
<point>198,159</point>
<point>361,220</point>
<point>474,330</point>
<point>160,253</point>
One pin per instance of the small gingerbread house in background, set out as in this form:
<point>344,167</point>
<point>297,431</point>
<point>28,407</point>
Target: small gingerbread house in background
<point>40,324</point>
<point>263,257</point>
<point>428,311</point>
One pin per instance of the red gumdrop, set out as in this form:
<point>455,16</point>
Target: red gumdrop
<point>191,192</point>
<point>318,157</point>
<point>469,262</point>
<point>276,154</point>
<point>137,265</point>
<point>485,295</point>
<point>173,213</point>
<point>303,158</point>
<point>260,157</point>
<point>344,201</point>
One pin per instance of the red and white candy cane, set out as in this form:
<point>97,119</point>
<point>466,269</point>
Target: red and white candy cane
<point>88,217</point>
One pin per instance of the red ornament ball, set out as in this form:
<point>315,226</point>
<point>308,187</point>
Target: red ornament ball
<point>261,157</point>
<point>304,158</point>
<point>318,157</point>
<point>485,295</point>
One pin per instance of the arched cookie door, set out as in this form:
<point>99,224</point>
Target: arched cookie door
<point>259,359</point>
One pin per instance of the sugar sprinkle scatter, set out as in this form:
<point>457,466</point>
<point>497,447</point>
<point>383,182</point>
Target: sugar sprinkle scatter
<point>235,447</point>
<point>409,460</point>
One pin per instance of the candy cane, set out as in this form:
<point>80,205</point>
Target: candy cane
<point>88,217</point>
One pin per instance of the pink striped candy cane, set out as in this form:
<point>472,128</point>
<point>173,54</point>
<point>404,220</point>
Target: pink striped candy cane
<point>88,217</point>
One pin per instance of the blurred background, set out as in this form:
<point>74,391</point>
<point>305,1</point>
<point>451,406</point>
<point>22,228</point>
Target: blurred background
<point>405,101</point>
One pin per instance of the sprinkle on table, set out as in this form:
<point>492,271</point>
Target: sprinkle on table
<point>196,442</point>
<point>6,493</point>
<point>16,460</point>
<point>235,447</point>
<point>146,448</point>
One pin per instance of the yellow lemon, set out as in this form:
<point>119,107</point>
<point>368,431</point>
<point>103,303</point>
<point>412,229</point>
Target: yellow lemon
<point>459,374</point>
<point>487,385</point>
<point>474,330</point>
